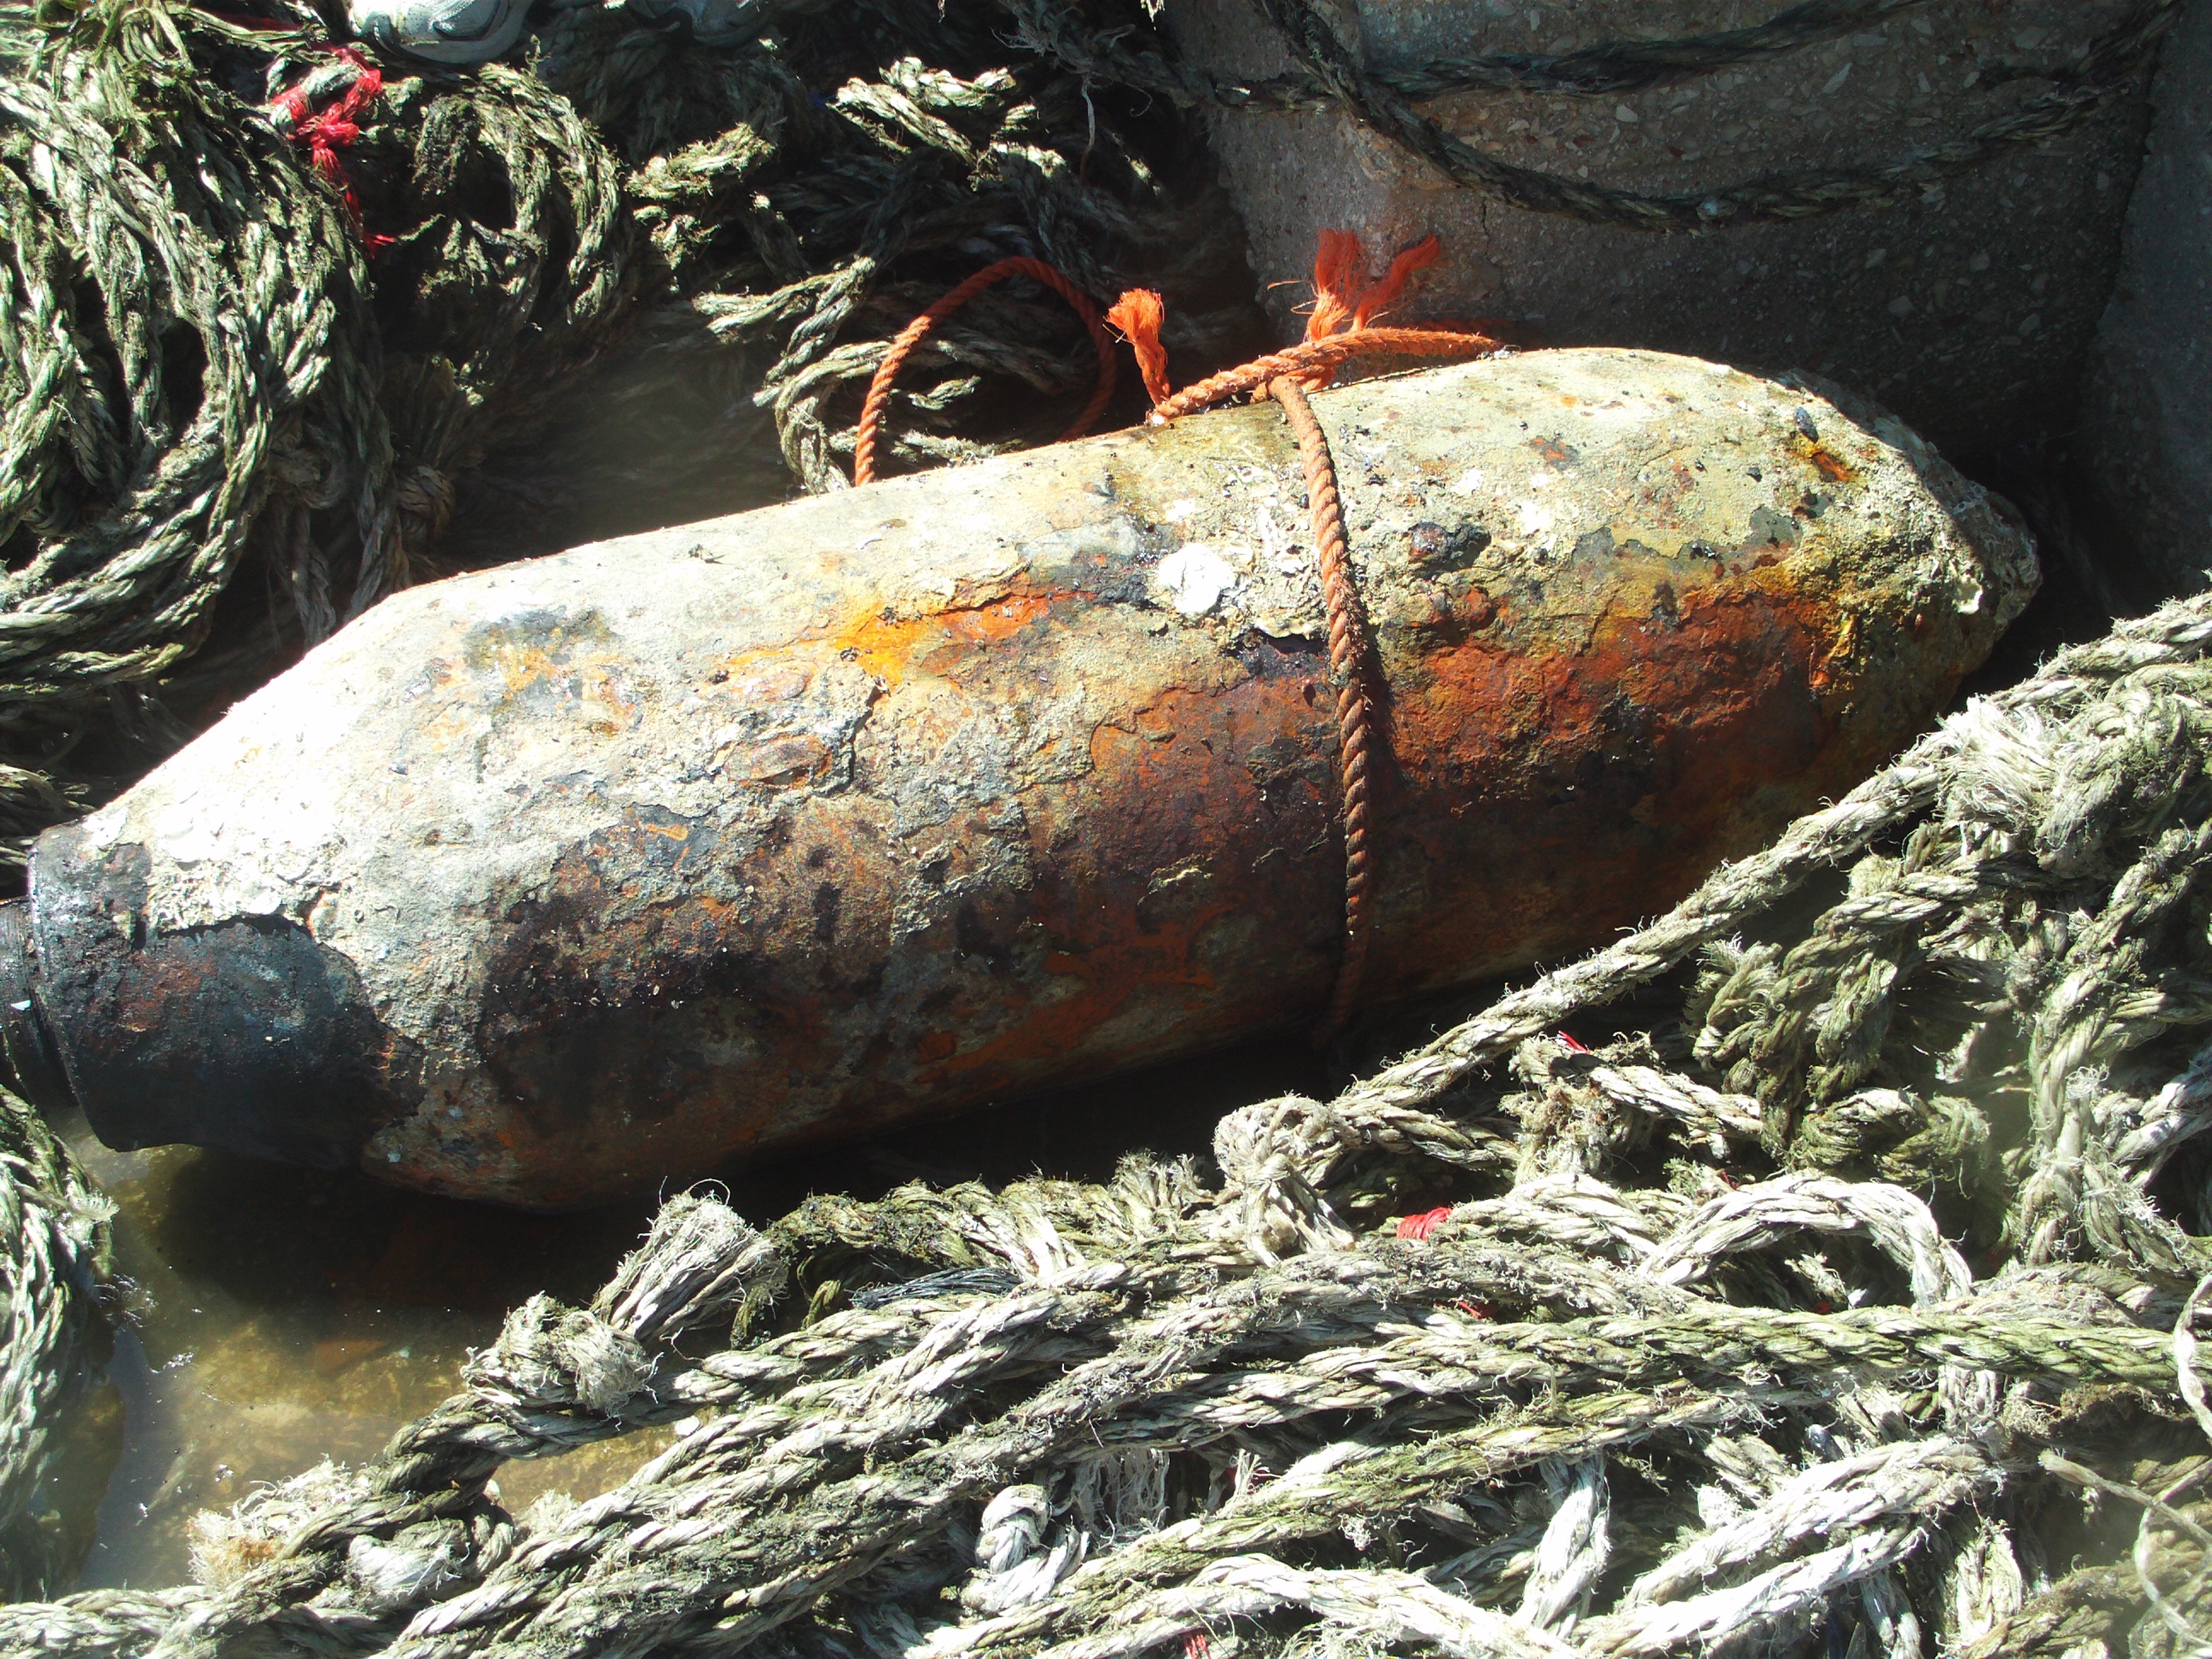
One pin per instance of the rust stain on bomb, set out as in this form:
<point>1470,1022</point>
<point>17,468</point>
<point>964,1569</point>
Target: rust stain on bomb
<point>951,789</point>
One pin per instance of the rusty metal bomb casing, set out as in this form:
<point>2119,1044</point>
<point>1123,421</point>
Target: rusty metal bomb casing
<point>552,883</point>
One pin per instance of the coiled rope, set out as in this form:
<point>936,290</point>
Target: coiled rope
<point>902,348</point>
<point>54,1227</point>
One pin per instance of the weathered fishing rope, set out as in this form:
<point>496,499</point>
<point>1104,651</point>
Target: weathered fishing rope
<point>1338,332</point>
<point>812,193</point>
<point>912,335</point>
<point>1342,299</point>
<point>1348,655</point>
<point>219,384</point>
<point>1667,1367</point>
<point>320,295</point>
<point>53,1248</point>
<point>1383,102</point>
<point>126,508</point>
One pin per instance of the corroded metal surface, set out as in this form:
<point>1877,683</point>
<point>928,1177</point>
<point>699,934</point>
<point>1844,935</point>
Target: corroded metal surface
<point>560,880</point>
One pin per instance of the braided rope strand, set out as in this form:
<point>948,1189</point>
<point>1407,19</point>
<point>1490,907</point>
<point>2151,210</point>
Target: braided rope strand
<point>1199,1405</point>
<point>1348,651</point>
<point>912,335</point>
<point>1325,356</point>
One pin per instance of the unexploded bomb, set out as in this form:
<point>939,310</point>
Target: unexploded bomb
<point>560,880</point>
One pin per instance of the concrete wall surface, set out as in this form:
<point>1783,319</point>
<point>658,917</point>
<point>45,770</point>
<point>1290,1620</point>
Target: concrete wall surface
<point>1968,307</point>
<point>2148,412</point>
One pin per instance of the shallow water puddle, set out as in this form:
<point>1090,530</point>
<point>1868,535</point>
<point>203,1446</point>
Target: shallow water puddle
<point>273,1317</point>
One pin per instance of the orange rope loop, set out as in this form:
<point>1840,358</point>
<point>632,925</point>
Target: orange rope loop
<point>1337,332</point>
<point>1324,357</point>
<point>910,337</point>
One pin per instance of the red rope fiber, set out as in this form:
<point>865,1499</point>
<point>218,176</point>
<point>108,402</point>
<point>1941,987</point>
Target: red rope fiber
<point>1338,332</point>
<point>324,134</point>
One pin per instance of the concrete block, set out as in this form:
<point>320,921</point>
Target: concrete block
<point>1968,306</point>
<point>2148,427</point>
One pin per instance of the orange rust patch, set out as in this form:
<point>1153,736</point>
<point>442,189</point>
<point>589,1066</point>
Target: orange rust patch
<point>1535,761</point>
<point>1182,803</point>
<point>784,760</point>
<point>595,678</point>
<point>889,646</point>
<point>1831,466</point>
<point>1111,971</point>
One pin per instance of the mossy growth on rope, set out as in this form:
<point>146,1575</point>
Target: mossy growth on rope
<point>489,312</point>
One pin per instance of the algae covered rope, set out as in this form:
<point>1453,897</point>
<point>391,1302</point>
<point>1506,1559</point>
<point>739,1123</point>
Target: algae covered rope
<point>251,410</point>
<point>54,1253</point>
<point>127,507</point>
<point>1637,1384</point>
<point>813,191</point>
<point>280,399</point>
<point>910,337</point>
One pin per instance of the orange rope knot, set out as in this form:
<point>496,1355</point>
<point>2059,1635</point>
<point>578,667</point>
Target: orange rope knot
<point>324,133</point>
<point>910,337</point>
<point>1340,328</point>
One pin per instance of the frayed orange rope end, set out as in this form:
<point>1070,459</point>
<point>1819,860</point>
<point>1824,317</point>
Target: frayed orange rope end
<point>1339,268</point>
<point>1138,315</point>
<point>1378,297</point>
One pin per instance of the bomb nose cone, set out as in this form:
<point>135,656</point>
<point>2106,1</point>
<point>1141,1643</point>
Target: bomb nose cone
<point>34,1065</point>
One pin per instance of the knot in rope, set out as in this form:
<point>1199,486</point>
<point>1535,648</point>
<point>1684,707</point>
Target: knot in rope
<point>1339,329</point>
<point>912,335</point>
<point>324,133</point>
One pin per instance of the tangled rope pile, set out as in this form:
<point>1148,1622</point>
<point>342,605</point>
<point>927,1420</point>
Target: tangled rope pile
<point>192,358</point>
<point>263,304</point>
<point>811,195</point>
<point>1840,1299</point>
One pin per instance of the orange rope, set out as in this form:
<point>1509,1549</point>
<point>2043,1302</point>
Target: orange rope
<point>1327,355</point>
<point>1139,315</point>
<point>1347,664</point>
<point>1337,333</point>
<point>879,388</point>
